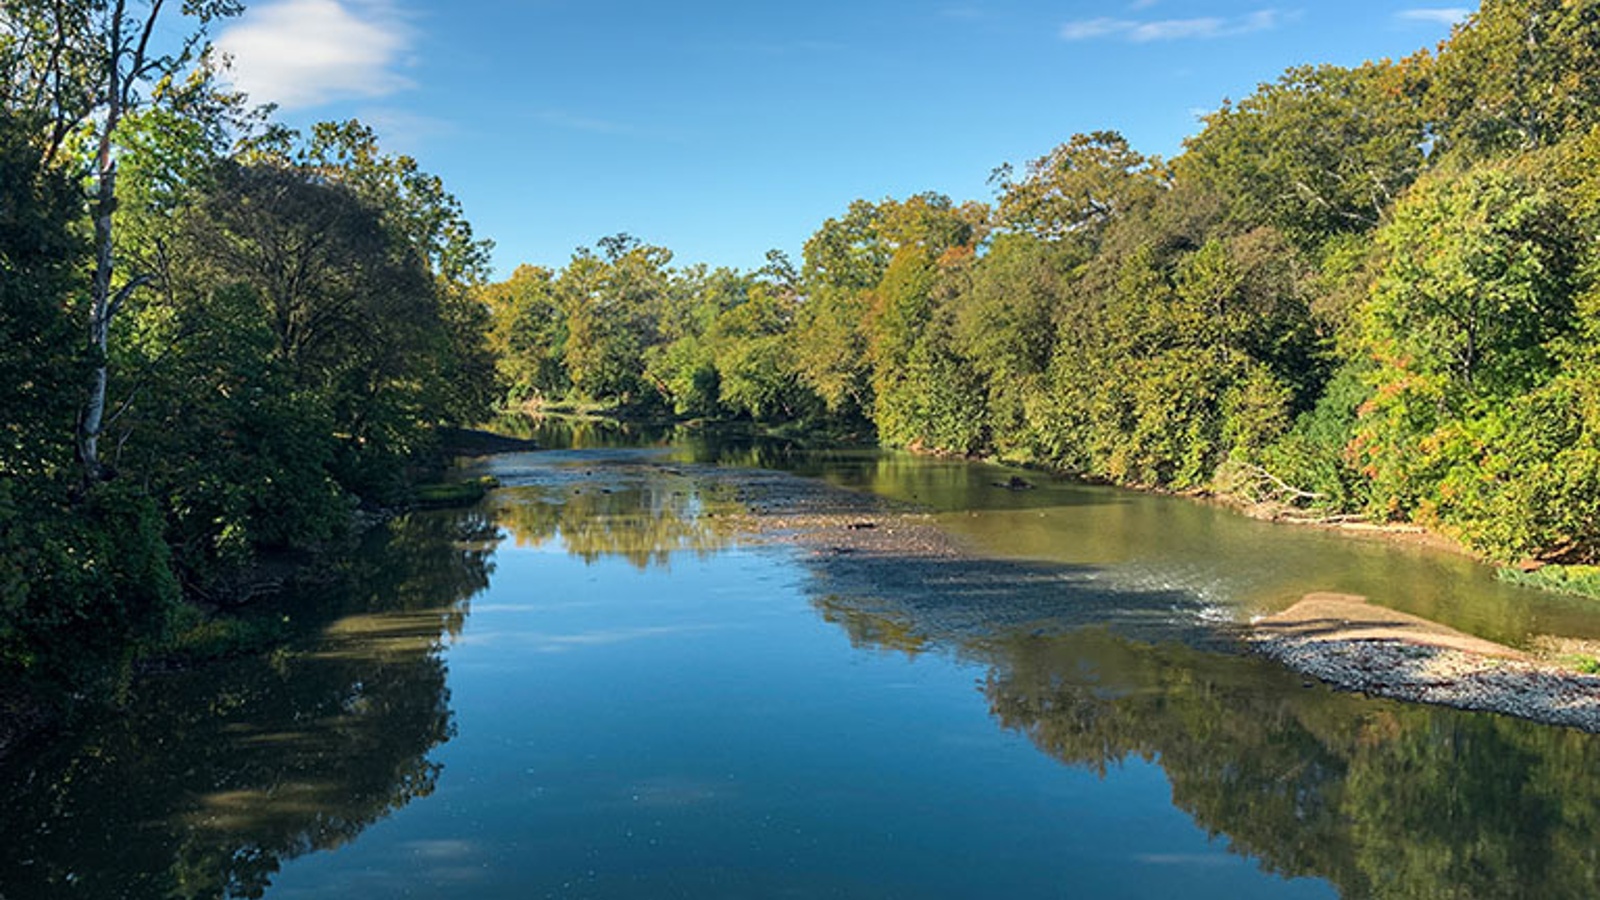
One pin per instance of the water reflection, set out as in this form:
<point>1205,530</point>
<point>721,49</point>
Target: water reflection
<point>1382,799</point>
<point>730,444</point>
<point>641,516</point>
<point>206,781</point>
<point>1236,566</point>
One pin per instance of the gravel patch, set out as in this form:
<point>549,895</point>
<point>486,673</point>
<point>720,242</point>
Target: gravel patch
<point>1357,646</point>
<point>1421,673</point>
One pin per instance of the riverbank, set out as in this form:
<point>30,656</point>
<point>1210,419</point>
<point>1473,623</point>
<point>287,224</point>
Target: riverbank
<point>1356,646</point>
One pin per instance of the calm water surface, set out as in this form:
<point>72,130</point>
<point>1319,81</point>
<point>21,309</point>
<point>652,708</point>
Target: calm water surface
<point>590,687</point>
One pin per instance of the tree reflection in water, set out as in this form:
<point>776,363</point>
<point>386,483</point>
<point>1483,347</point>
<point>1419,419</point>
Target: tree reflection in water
<point>205,781</point>
<point>1382,799</point>
<point>637,514</point>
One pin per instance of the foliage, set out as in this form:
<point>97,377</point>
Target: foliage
<point>1517,76</point>
<point>1322,151</point>
<point>1477,280</point>
<point>1079,187</point>
<point>528,334</point>
<point>1583,581</point>
<point>83,572</point>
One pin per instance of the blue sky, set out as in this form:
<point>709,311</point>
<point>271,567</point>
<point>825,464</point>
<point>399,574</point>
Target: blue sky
<point>723,129</point>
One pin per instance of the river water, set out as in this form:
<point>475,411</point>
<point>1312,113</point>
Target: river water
<point>595,685</point>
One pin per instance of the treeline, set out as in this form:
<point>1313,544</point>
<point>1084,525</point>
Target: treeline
<point>221,338</point>
<point>1358,291</point>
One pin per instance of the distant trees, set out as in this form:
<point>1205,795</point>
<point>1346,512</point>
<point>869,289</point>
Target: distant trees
<point>1359,290</point>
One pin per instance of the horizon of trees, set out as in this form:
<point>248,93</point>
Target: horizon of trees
<point>1357,291</point>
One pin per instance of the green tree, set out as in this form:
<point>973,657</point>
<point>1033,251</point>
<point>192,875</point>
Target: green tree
<point>79,69</point>
<point>613,305</point>
<point>1323,150</point>
<point>1519,74</point>
<point>528,333</point>
<point>82,572</point>
<point>1078,188</point>
<point>333,312</point>
<point>1478,278</point>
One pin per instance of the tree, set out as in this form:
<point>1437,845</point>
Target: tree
<point>1323,150</point>
<point>41,366</point>
<point>352,317</point>
<point>528,333</point>
<point>1079,187</point>
<point>613,305</point>
<point>419,212</point>
<point>1478,277</point>
<point>81,572</point>
<point>1517,75</point>
<point>80,68</point>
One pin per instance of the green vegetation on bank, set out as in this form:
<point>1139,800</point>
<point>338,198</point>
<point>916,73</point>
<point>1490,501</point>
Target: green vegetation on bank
<point>1358,291</point>
<point>1583,581</point>
<point>222,339</point>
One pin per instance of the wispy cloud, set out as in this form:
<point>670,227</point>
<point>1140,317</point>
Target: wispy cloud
<point>303,53</point>
<point>1444,15</point>
<point>1147,30</point>
<point>558,118</point>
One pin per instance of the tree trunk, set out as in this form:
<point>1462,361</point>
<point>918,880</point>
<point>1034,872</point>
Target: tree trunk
<point>101,308</point>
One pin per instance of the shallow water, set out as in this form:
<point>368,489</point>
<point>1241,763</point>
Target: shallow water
<point>595,686</point>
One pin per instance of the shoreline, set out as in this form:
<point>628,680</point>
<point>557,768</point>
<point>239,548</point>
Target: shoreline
<point>1355,646</point>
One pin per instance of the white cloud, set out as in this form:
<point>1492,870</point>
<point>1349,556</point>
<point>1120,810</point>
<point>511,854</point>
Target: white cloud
<point>1448,15</point>
<point>302,53</point>
<point>1144,31</point>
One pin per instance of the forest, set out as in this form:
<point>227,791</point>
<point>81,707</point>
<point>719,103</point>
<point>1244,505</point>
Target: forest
<point>1361,292</point>
<point>1358,292</point>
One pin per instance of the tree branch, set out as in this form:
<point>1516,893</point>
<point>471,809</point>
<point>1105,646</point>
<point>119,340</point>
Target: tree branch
<point>115,306</point>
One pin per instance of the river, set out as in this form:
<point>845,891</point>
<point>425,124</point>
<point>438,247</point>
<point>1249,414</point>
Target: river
<point>599,683</point>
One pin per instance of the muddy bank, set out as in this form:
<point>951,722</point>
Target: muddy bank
<point>1356,646</point>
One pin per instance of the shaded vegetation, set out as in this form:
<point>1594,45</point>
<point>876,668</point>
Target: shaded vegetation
<point>222,339</point>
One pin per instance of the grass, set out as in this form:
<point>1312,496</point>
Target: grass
<point>1583,581</point>
<point>1588,665</point>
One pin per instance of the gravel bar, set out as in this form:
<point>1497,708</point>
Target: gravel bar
<point>1355,646</point>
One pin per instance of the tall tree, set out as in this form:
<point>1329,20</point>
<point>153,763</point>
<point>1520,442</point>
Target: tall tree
<point>1079,187</point>
<point>1518,74</point>
<point>80,68</point>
